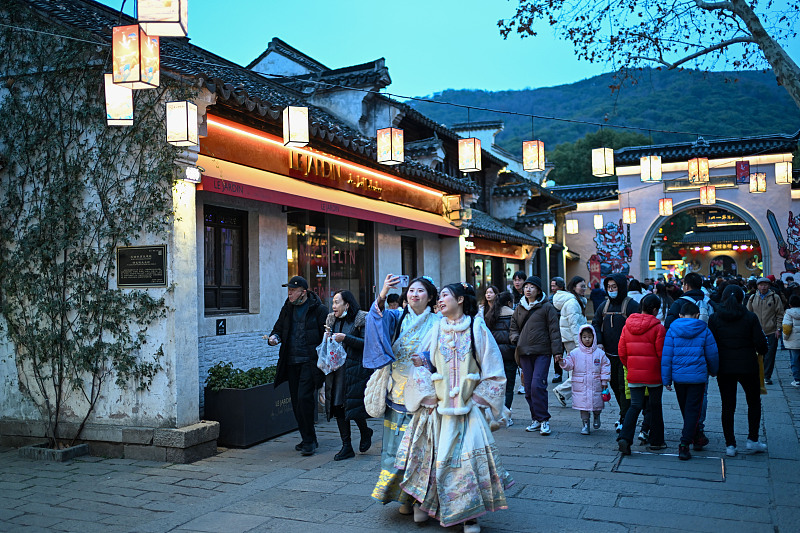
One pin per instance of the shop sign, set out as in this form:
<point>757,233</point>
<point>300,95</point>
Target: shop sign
<point>711,218</point>
<point>142,266</point>
<point>310,167</point>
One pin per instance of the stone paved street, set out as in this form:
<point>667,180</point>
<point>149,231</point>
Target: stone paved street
<point>564,482</point>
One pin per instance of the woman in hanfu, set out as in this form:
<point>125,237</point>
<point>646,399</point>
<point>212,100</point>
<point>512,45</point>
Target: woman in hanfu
<point>453,468</point>
<point>391,337</point>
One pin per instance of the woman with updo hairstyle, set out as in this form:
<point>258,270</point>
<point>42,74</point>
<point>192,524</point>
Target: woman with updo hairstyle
<point>453,468</point>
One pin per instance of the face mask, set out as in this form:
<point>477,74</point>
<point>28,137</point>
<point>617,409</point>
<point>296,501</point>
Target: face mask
<point>612,294</point>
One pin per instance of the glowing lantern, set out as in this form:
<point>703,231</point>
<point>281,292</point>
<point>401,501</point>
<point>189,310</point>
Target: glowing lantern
<point>629,215</point>
<point>533,156</point>
<point>572,226</point>
<point>651,168</point>
<point>549,230</point>
<point>758,182</point>
<point>119,103</point>
<point>708,195</point>
<point>469,155</point>
<point>390,146</point>
<point>783,173</point>
<point>165,18</point>
<point>598,222</point>
<point>602,162</point>
<point>295,126</point>
<point>665,207</point>
<point>698,170</point>
<point>136,60</point>
<point>182,124</point>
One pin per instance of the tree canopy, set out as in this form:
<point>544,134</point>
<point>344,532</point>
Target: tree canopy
<point>573,161</point>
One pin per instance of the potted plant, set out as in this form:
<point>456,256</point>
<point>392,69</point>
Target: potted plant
<point>247,405</point>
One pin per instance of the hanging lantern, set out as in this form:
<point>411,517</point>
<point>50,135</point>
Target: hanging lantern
<point>629,215</point>
<point>119,103</point>
<point>182,124</point>
<point>783,173</point>
<point>698,170</point>
<point>708,195</point>
<point>549,230</point>
<point>390,146</point>
<point>598,221</point>
<point>164,18</point>
<point>602,162</point>
<point>650,166</point>
<point>533,156</point>
<point>295,126</point>
<point>758,182</point>
<point>572,226</point>
<point>136,60</point>
<point>665,207</point>
<point>469,155</point>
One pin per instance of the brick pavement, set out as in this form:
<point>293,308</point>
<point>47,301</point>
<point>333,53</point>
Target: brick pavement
<point>564,482</point>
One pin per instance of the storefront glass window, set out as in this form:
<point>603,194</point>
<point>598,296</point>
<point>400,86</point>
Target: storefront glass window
<point>224,247</point>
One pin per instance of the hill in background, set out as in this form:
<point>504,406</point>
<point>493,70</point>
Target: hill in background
<point>713,104</point>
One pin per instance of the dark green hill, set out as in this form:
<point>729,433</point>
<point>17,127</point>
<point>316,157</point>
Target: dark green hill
<point>715,104</point>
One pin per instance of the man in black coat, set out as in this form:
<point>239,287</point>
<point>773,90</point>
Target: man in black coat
<point>299,330</point>
<point>693,283</point>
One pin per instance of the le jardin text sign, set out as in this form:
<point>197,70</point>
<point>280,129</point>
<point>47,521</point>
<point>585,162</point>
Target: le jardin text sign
<point>142,266</point>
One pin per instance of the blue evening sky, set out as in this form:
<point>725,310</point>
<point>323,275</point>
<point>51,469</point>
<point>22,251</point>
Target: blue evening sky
<point>429,45</point>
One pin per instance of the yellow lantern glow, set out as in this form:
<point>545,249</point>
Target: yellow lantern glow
<point>783,173</point>
<point>390,146</point>
<point>119,103</point>
<point>469,155</point>
<point>572,226</point>
<point>533,156</point>
<point>602,162</point>
<point>708,195</point>
<point>665,207</point>
<point>698,170</point>
<point>758,182</point>
<point>629,215</point>
<point>650,166</point>
<point>182,124</point>
<point>164,18</point>
<point>295,126</point>
<point>135,58</point>
<point>549,230</point>
<point>598,222</point>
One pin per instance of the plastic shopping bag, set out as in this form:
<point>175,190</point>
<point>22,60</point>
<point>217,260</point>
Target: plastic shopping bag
<point>330,355</point>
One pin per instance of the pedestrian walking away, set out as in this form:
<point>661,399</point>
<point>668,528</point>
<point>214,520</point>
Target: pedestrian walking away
<point>299,330</point>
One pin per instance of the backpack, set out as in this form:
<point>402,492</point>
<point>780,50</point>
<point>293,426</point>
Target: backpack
<point>623,307</point>
<point>705,310</point>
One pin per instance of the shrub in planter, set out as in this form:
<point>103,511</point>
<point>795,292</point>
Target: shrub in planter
<point>247,405</point>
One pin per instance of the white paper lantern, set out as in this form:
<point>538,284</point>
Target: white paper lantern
<point>783,173</point>
<point>665,207</point>
<point>390,146</point>
<point>136,58</point>
<point>165,18</point>
<point>629,215</point>
<point>708,195</point>
<point>533,156</point>
<point>119,103</point>
<point>469,155</point>
<point>602,162</point>
<point>758,182</point>
<point>572,226</point>
<point>698,170</point>
<point>182,124</point>
<point>549,230</point>
<point>650,166</point>
<point>295,126</point>
<point>598,222</point>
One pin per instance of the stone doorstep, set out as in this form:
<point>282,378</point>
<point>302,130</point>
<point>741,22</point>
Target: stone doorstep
<point>187,436</point>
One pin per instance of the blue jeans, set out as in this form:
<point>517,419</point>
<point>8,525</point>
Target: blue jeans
<point>794,357</point>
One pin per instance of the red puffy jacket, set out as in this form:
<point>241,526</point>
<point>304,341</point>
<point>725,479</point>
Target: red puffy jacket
<point>640,348</point>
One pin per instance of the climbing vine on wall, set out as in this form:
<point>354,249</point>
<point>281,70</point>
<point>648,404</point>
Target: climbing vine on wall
<point>71,190</point>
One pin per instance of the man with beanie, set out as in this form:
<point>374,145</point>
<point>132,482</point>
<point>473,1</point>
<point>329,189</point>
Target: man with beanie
<point>299,330</point>
<point>768,307</point>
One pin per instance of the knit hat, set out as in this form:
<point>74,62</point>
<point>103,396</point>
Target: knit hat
<point>535,281</point>
<point>771,278</point>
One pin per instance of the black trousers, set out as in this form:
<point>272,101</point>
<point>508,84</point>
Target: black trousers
<point>618,386</point>
<point>303,383</point>
<point>752,394</point>
<point>690,400</point>
<point>510,368</point>
<point>656,415</point>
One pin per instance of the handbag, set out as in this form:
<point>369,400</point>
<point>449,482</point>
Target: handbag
<point>761,374</point>
<point>375,391</point>
<point>330,355</point>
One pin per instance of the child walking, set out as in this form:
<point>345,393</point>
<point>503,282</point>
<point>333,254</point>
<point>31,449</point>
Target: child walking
<point>590,370</point>
<point>690,355</point>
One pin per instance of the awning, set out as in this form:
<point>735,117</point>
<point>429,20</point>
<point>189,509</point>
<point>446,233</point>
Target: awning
<point>228,178</point>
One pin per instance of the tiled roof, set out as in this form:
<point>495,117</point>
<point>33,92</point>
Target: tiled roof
<point>282,47</point>
<point>513,189</point>
<point>717,148</point>
<point>373,74</point>
<point>422,147</point>
<point>586,192</point>
<point>535,219</point>
<point>483,225</point>
<point>731,237</point>
<point>482,125</point>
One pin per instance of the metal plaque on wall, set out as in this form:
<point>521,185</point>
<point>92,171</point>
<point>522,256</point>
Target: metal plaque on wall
<point>142,266</point>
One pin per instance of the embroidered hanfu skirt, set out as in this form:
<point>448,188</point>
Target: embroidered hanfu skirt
<point>388,487</point>
<point>458,478</point>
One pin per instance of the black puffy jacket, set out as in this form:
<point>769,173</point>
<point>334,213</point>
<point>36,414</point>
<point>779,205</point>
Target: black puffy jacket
<point>353,373</point>
<point>314,329</point>
<point>739,339</point>
<point>609,320</point>
<point>501,334</point>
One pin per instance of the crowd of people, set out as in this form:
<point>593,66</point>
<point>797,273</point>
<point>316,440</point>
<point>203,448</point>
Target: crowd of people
<point>441,370</point>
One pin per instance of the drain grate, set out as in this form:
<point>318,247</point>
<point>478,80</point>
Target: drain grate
<point>700,467</point>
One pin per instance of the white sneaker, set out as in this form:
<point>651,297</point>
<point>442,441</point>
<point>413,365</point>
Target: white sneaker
<point>509,422</point>
<point>545,428</point>
<point>472,527</point>
<point>420,516</point>
<point>755,446</point>
<point>795,383</point>
<point>535,424</point>
<point>585,430</point>
<point>521,389</point>
<point>730,451</point>
<point>560,398</point>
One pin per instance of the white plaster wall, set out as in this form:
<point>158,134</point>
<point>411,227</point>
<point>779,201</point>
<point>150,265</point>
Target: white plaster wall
<point>277,64</point>
<point>453,266</point>
<point>388,256</point>
<point>348,107</point>
<point>429,256</point>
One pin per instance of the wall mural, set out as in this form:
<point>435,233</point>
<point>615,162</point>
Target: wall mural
<point>613,252</point>
<point>789,249</point>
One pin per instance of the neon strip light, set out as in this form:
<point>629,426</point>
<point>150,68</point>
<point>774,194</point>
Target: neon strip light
<point>326,157</point>
<point>477,251</point>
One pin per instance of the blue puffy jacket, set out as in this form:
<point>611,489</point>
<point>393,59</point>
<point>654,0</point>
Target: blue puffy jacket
<point>690,353</point>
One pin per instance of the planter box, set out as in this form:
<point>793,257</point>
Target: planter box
<point>250,416</point>
<point>41,452</point>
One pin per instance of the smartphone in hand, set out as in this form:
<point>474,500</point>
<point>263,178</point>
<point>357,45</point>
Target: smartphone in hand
<point>403,281</point>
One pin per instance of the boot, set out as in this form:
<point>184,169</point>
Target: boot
<point>344,432</point>
<point>366,435</point>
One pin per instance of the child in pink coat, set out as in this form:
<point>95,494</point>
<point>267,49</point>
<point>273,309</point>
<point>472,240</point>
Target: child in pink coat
<point>590,371</point>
